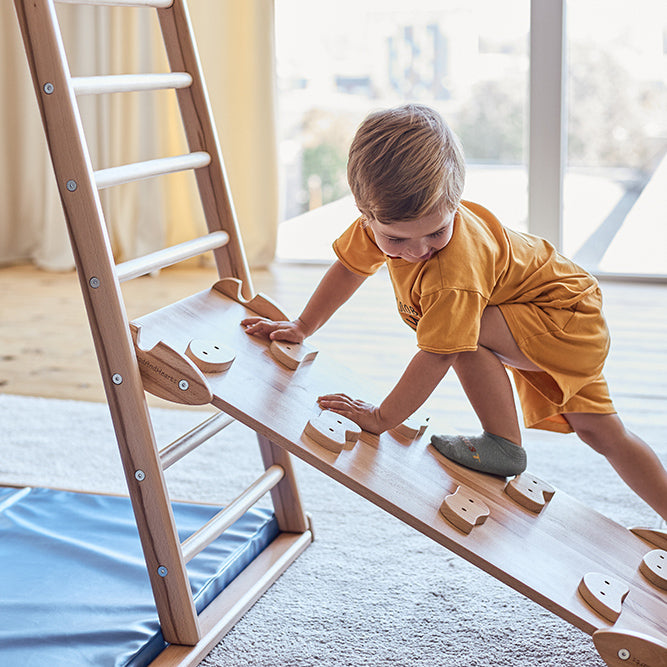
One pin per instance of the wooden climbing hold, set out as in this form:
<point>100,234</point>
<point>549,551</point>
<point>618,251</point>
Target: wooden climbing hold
<point>332,431</point>
<point>604,594</point>
<point>413,427</point>
<point>654,567</point>
<point>170,374</point>
<point>464,509</point>
<point>626,647</point>
<point>260,304</point>
<point>529,491</point>
<point>292,355</point>
<point>372,439</point>
<point>654,536</point>
<point>210,356</point>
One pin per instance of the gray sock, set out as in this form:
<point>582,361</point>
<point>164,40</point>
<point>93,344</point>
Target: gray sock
<point>486,453</point>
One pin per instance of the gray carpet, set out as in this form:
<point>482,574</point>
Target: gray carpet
<point>369,591</point>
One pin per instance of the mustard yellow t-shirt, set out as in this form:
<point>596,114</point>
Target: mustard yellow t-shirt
<point>551,305</point>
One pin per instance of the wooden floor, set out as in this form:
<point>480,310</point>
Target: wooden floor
<point>46,348</point>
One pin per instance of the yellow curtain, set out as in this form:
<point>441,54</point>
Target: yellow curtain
<point>236,44</point>
<point>235,40</point>
<point>32,226</point>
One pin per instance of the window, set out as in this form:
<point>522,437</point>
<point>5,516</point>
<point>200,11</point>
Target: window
<point>338,61</point>
<point>615,192</point>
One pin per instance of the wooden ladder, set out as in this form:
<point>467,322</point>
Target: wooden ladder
<point>552,551</point>
<point>100,278</point>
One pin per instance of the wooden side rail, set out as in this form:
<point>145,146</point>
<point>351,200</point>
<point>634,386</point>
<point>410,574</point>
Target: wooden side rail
<point>160,259</point>
<point>127,173</point>
<point>128,83</point>
<point>232,513</point>
<point>193,438</point>
<point>158,4</point>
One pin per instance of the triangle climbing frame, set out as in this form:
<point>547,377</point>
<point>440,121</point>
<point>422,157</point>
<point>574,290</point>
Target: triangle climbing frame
<point>191,635</point>
<point>599,576</point>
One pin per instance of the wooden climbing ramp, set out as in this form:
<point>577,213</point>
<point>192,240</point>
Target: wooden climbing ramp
<point>592,572</point>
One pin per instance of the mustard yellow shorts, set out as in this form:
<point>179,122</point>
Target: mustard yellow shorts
<point>571,346</point>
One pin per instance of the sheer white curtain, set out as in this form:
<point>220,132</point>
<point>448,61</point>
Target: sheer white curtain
<point>235,39</point>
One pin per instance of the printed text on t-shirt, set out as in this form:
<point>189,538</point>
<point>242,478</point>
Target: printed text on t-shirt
<point>409,314</point>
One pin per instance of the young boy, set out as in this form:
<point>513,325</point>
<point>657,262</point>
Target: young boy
<point>480,298</point>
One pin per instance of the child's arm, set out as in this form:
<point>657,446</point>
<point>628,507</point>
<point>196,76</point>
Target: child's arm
<point>335,288</point>
<point>420,378</point>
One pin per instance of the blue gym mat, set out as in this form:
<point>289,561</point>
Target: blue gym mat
<point>73,584</point>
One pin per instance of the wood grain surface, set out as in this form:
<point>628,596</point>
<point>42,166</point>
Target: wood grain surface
<point>544,556</point>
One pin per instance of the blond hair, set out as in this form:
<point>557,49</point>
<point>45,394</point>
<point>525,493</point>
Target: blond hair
<point>403,163</point>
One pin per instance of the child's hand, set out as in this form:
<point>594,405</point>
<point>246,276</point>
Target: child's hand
<point>365,415</point>
<point>292,332</point>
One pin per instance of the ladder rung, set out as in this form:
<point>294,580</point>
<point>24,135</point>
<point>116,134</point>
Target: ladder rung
<point>128,83</point>
<point>193,438</point>
<point>106,178</point>
<point>159,259</point>
<point>158,4</point>
<point>232,513</point>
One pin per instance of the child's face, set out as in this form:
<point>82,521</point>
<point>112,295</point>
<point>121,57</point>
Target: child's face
<point>414,240</point>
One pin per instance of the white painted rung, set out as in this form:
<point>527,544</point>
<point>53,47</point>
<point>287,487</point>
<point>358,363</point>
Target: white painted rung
<point>127,83</point>
<point>105,178</point>
<point>193,438</point>
<point>160,259</point>
<point>232,513</point>
<point>158,4</point>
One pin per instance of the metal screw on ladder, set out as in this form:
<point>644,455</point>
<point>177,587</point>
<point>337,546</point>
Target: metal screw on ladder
<point>140,475</point>
<point>117,378</point>
<point>94,282</point>
<point>624,654</point>
<point>71,185</point>
<point>49,88</point>
<point>162,571</point>
<point>183,384</point>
